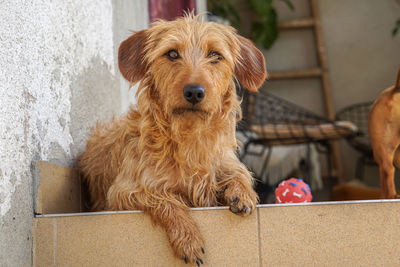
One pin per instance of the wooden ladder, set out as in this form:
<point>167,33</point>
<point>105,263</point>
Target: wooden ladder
<point>321,72</point>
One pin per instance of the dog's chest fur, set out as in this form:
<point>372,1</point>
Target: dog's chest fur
<point>187,164</point>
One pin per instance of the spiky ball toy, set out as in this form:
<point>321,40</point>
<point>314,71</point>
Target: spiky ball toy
<point>293,191</point>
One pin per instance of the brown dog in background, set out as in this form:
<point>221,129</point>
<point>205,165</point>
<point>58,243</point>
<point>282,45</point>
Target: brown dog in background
<point>384,131</point>
<point>177,148</point>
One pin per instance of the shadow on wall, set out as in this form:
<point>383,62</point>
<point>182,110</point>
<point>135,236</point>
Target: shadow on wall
<point>95,98</point>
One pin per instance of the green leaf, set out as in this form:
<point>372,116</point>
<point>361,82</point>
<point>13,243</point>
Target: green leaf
<point>235,19</point>
<point>265,31</point>
<point>225,9</point>
<point>396,28</point>
<point>261,7</point>
<point>289,4</point>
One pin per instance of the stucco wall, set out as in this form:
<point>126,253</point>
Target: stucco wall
<point>58,76</point>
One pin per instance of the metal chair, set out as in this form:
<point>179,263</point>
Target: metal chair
<point>358,114</point>
<point>269,120</point>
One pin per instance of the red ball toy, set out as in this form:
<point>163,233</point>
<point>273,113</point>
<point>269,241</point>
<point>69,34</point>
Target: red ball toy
<point>293,191</point>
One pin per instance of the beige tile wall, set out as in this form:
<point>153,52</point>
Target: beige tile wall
<point>132,240</point>
<point>331,235</point>
<point>59,189</point>
<point>341,234</point>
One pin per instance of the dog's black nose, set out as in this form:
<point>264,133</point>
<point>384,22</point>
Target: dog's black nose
<point>194,93</point>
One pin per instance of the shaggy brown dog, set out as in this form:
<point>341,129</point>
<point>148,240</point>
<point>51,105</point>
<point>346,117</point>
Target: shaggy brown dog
<point>384,131</point>
<point>177,149</point>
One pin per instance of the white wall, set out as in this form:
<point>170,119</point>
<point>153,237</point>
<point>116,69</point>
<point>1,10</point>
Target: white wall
<point>58,75</point>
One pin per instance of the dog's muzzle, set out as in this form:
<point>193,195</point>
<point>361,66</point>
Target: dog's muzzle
<point>194,93</point>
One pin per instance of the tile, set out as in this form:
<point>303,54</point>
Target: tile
<point>59,190</point>
<point>365,234</point>
<point>110,240</point>
<point>132,240</point>
<point>44,242</point>
<point>230,240</point>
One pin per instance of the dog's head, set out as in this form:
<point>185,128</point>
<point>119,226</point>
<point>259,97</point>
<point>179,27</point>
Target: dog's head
<point>188,65</point>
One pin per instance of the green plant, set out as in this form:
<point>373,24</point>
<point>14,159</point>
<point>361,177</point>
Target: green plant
<point>264,24</point>
<point>396,28</point>
<point>225,9</point>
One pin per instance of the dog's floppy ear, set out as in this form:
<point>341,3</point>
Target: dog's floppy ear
<point>131,60</point>
<point>250,67</point>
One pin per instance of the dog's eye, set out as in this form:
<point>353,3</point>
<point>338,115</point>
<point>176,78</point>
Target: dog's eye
<point>215,56</point>
<point>172,55</point>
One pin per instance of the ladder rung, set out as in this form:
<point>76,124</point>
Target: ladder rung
<point>296,23</point>
<point>296,74</point>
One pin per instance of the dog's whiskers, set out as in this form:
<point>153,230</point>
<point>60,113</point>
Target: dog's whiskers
<point>181,111</point>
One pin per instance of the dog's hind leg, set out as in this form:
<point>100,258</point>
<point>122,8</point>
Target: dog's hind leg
<point>385,160</point>
<point>396,159</point>
<point>385,141</point>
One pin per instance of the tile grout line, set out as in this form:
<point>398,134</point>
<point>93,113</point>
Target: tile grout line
<point>55,241</point>
<point>259,236</point>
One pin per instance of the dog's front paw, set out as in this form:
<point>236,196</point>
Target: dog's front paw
<point>187,244</point>
<point>241,200</point>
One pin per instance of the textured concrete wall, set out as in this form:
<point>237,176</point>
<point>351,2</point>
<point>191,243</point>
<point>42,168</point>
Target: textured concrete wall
<point>58,76</point>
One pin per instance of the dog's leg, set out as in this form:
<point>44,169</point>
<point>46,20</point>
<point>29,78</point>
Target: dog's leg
<point>167,211</point>
<point>384,158</point>
<point>183,233</point>
<point>236,184</point>
<point>386,172</point>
